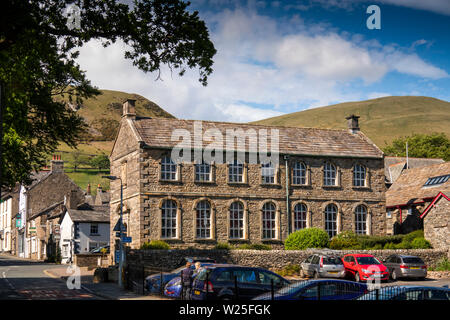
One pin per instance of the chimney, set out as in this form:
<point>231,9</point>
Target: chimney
<point>99,189</point>
<point>88,190</point>
<point>57,165</point>
<point>129,110</point>
<point>352,123</point>
<point>71,200</point>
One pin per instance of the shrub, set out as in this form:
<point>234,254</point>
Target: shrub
<point>403,245</point>
<point>442,265</point>
<point>344,240</point>
<point>390,245</point>
<point>255,246</point>
<point>420,243</point>
<point>413,235</point>
<point>155,245</point>
<point>222,246</point>
<point>307,238</point>
<point>289,270</point>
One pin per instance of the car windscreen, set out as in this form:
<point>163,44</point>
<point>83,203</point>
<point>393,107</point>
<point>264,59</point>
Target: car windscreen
<point>412,260</point>
<point>367,260</point>
<point>332,260</point>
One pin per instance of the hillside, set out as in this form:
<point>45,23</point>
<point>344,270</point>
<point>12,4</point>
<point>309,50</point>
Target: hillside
<point>382,119</point>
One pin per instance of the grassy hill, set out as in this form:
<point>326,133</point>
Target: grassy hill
<point>382,119</point>
<point>103,114</point>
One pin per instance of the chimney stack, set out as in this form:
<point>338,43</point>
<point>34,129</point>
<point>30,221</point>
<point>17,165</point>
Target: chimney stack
<point>353,123</point>
<point>88,190</point>
<point>99,189</point>
<point>129,109</point>
<point>57,165</point>
<point>71,200</point>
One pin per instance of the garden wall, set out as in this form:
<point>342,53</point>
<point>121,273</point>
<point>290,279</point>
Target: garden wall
<point>269,259</point>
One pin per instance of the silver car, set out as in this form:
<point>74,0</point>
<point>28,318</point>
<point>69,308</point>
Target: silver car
<point>325,266</point>
<point>402,266</point>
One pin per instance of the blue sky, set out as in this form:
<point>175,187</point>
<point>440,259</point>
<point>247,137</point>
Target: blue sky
<point>276,57</point>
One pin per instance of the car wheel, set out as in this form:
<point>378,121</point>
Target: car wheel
<point>357,277</point>
<point>394,275</point>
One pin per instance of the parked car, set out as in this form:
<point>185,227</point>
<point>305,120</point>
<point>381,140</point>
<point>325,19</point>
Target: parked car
<point>401,266</point>
<point>173,288</point>
<point>365,267</point>
<point>321,265</point>
<point>323,289</point>
<point>218,282</point>
<point>408,293</point>
<point>99,249</point>
<point>153,282</point>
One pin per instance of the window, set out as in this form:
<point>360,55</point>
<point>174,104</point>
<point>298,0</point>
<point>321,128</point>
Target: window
<point>236,220</point>
<point>65,250</point>
<point>202,172</point>
<point>361,219</point>
<point>437,180</point>
<point>268,173</point>
<point>225,276</point>
<point>315,260</point>
<point>245,276</point>
<point>329,174</point>
<point>169,219</point>
<point>300,211</point>
<point>168,169</point>
<point>359,176</point>
<point>203,220</point>
<point>299,173</point>
<point>235,172</point>
<point>268,221</point>
<point>331,220</point>
<point>94,228</point>
<point>267,278</point>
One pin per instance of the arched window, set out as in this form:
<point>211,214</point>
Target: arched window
<point>361,219</point>
<point>268,221</point>
<point>236,220</point>
<point>202,172</point>
<point>329,174</point>
<point>300,212</point>
<point>268,173</point>
<point>331,220</point>
<point>203,220</point>
<point>359,176</point>
<point>299,173</point>
<point>235,171</point>
<point>169,219</point>
<point>168,169</point>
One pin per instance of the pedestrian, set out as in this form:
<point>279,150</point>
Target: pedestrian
<point>186,278</point>
<point>198,268</point>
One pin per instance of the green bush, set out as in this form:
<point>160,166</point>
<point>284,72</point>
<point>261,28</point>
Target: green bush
<point>223,246</point>
<point>255,246</point>
<point>390,245</point>
<point>344,240</point>
<point>155,245</point>
<point>420,243</point>
<point>307,238</point>
<point>442,265</point>
<point>403,245</point>
<point>289,270</point>
<point>413,235</point>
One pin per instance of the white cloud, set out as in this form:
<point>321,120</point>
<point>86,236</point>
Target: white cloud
<point>374,95</point>
<point>260,62</point>
<point>436,6</point>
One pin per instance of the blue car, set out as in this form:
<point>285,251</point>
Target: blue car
<point>173,288</point>
<point>412,293</point>
<point>153,282</point>
<point>326,289</point>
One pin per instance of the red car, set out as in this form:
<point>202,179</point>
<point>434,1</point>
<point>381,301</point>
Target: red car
<point>365,267</point>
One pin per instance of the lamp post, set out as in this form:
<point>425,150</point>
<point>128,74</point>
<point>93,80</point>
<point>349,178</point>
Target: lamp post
<point>121,254</point>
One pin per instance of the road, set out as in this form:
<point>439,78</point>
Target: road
<point>22,279</point>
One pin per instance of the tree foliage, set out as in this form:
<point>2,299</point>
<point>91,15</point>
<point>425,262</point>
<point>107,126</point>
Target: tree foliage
<point>436,145</point>
<point>101,162</point>
<point>38,48</point>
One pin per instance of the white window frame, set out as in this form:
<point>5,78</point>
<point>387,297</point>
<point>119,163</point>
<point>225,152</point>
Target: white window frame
<point>169,170</point>
<point>330,175</point>
<point>299,174</point>
<point>203,215</point>
<point>236,220</point>
<point>300,216</point>
<point>169,219</point>
<point>361,219</point>
<point>200,173</point>
<point>359,175</point>
<point>269,221</point>
<point>236,171</point>
<point>268,173</point>
<point>96,225</point>
<point>331,216</point>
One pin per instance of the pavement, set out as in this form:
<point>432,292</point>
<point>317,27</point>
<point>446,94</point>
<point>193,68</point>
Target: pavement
<point>104,290</point>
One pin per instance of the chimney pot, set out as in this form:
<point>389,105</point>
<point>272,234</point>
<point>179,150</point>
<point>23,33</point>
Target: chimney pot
<point>57,165</point>
<point>353,123</point>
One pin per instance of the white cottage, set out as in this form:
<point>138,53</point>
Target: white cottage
<point>83,229</point>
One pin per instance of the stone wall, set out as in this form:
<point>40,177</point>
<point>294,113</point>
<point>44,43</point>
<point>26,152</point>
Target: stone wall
<point>91,260</point>
<point>269,259</point>
<point>437,224</point>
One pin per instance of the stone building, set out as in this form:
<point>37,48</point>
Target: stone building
<point>411,193</point>
<point>436,222</point>
<point>335,181</point>
<point>394,166</point>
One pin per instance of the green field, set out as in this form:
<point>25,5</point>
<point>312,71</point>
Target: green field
<point>382,120</point>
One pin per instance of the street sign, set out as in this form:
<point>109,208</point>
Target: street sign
<point>126,239</point>
<point>117,256</point>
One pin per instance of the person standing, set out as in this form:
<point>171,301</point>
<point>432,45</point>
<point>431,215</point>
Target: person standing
<point>186,278</point>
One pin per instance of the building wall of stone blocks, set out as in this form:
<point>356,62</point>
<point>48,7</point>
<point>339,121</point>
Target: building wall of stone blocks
<point>437,225</point>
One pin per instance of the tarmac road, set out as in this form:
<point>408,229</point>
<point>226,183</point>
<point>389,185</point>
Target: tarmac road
<point>22,279</point>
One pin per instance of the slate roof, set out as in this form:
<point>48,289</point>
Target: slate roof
<point>88,215</point>
<point>293,140</point>
<point>393,166</point>
<point>409,187</point>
